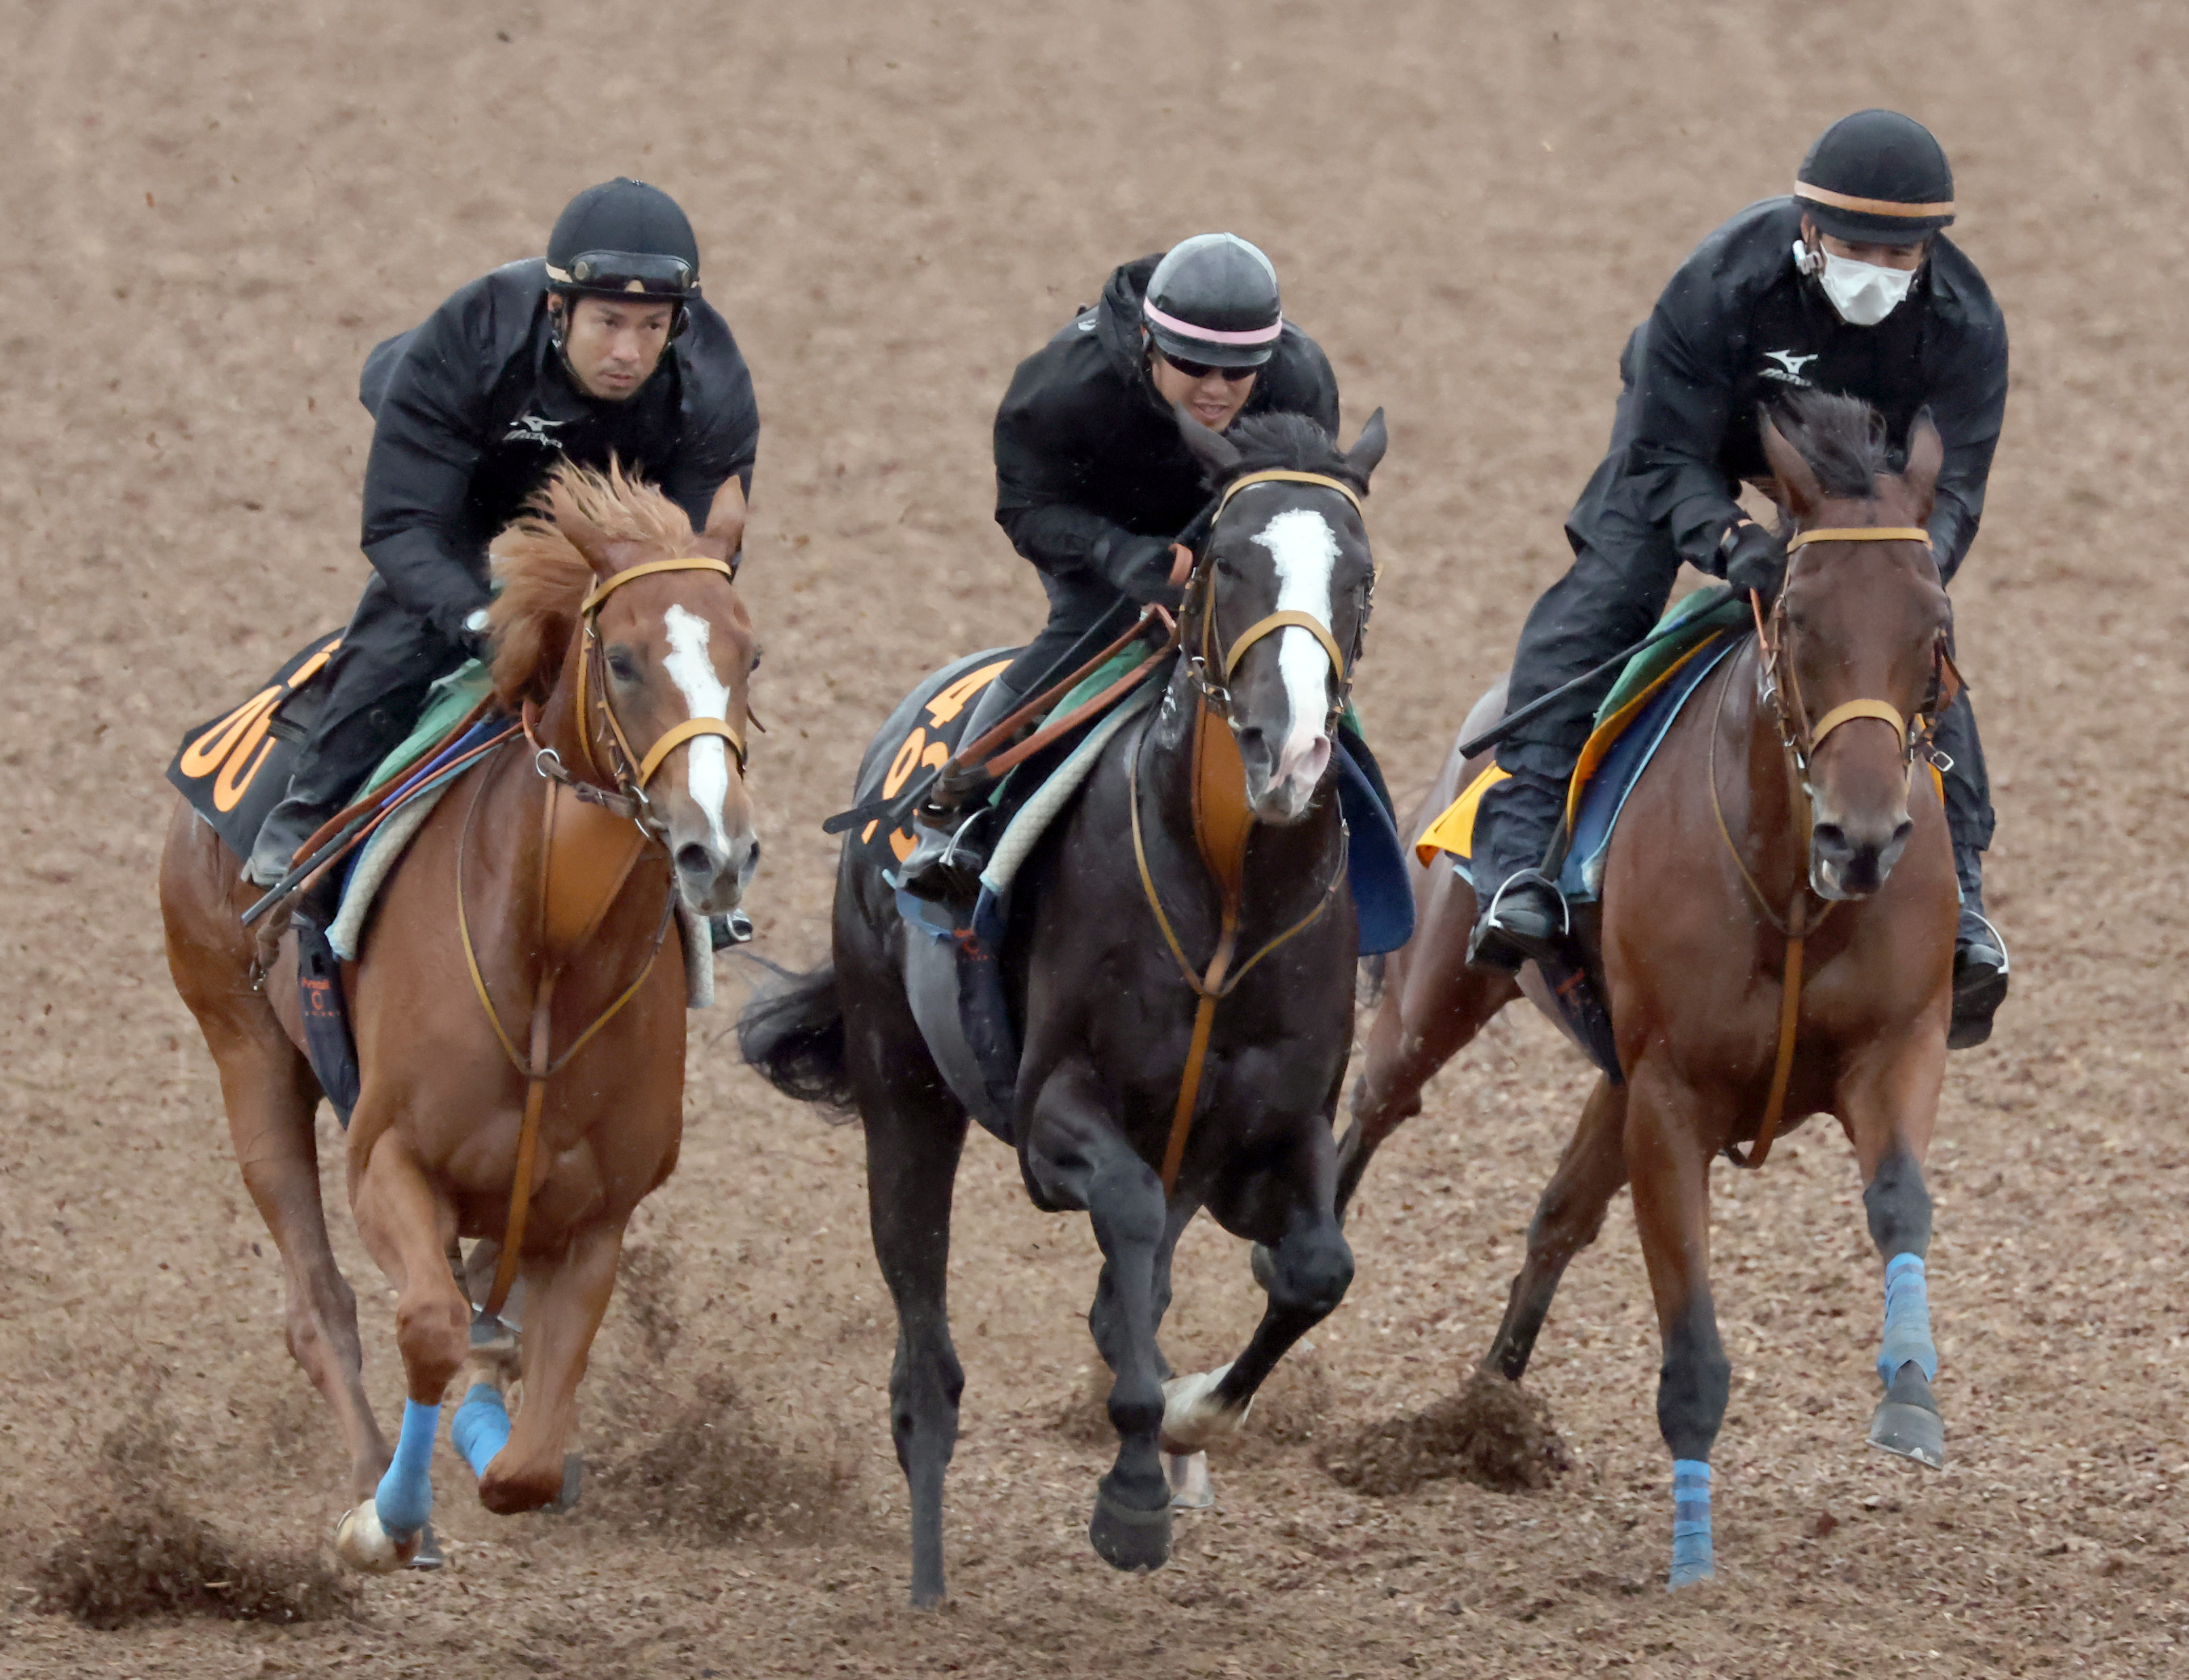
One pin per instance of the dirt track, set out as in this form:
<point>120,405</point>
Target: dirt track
<point>215,210</point>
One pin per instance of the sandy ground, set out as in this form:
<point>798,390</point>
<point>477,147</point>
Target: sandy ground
<point>213,211</point>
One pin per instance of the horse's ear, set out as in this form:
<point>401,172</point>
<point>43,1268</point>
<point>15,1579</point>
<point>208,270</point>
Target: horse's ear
<point>1212,449</point>
<point>1926,454</point>
<point>726,519</point>
<point>1368,447</point>
<point>584,536</point>
<point>1796,476</point>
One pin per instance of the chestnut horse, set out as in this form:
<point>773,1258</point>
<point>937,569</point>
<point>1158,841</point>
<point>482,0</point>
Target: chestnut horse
<point>434,1142</point>
<point>1790,798</point>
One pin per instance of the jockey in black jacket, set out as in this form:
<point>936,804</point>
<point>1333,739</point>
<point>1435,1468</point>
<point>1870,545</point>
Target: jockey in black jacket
<point>604,349</point>
<point>1848,286</point>
<point>1094,484</point>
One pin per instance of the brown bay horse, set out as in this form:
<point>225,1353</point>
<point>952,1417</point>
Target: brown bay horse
<point>620,641</point>
<point>1204,855</point>
<point>1788,813</point>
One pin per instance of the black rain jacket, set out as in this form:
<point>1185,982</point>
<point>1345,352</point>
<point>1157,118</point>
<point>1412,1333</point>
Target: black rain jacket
<point>1088,461</point>
<point>473,407</point>
<point>1739,324</point>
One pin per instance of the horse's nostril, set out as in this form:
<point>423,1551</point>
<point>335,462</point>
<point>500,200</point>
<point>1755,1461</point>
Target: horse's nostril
<point>1831,840</point>
<point>694,859</point>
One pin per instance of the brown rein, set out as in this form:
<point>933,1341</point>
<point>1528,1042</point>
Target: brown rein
<point>1799,741</point>
<point>1222,823</point>
<point>590,841</point>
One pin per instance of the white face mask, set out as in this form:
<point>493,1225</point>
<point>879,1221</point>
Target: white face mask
<point>1864,293</point>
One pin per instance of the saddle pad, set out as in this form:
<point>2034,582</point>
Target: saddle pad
<point>234,769</point>
<point>1617,753</point>
<point>922,731</point>
<point>1713,607</point>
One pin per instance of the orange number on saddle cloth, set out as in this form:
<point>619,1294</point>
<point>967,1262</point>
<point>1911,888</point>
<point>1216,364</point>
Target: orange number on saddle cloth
<point>236,747</point>
<point>953,700</point>
<point>917,750</point>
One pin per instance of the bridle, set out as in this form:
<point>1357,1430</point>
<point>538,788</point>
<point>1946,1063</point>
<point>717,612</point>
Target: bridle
<point>1801,737</point>
<point>1200,600</point>
<point>631,769</point>
<point>1799,740</point>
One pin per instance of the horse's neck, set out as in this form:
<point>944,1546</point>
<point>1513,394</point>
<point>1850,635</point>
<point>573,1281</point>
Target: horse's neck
<point>1774,837</point>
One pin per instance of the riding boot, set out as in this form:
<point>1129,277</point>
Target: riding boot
<point>1520,915</point>
<point>286,827</point>
<point>948,852</point>
<point>1980,960</point>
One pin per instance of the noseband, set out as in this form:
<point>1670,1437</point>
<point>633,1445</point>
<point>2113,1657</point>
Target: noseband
<point>631,769</point>
<point>1203,600</point>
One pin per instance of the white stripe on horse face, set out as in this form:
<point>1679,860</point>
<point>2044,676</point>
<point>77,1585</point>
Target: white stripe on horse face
<point>1305,549</point>
<point>707,769</point>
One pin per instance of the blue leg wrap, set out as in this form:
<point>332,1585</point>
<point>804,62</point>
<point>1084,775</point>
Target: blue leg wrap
<point>481,1429</point>
<point>1907,1320</point>
<point>405,1495</point>
<point>1693,1559</point>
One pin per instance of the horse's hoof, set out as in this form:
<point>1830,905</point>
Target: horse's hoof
<point>574,1476</point>
<point>1190,1488</point>
<point>1263,1264</point>
<point>430,1555</point>
<point>364,1546</point>
<point>1192,1418</point>
<point>1690,1575</point>
<point>1910,1431</point>
<point>1129,1539</point>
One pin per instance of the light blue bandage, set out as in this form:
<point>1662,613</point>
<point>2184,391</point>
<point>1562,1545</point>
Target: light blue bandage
<point>1693,1559</point>
<point>404,1498</point>
<point>1907,1320</point>
<point>481,1429</point>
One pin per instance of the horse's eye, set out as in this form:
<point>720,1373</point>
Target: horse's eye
<point>754,665</point>
<point>621,665</point>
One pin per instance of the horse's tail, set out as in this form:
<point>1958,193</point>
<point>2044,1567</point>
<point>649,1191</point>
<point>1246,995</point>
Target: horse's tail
<point>793,1032</point>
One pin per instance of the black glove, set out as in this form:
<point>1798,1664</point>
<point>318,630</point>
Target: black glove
<point>1755,559</point>
<point>1139,568</point>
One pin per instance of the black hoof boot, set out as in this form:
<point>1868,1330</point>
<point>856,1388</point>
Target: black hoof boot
<point>1525,921</point>
<point>1907,1421</point>
<point>1126,1537</point>
<point>1980,974</point>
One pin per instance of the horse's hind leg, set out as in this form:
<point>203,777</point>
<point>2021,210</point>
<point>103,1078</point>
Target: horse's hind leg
<point>915,1132</point>
<point>1433,1004</point>
<point>1890,1101</point>
<point>271,1098</point>
<point>520,1466</point>
<point>1567,1216</point>
<point>405,1224</point>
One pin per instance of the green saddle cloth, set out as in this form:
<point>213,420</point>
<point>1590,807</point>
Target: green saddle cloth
<point>446,704</point>
<point>1713,607</point>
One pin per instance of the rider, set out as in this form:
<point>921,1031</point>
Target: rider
<point>604,351</point>
<point>1094,483</point>
<point>1849,287</point>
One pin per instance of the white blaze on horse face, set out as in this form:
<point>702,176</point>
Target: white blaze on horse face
<point>707,767</point>
<point>1305,549</point>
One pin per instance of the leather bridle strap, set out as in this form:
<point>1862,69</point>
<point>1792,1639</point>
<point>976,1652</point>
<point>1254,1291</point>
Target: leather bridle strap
<point>608,586</point>
<point>1284,475</point>
<point>690,729</point>
<point>1277,621</point>
<point>1858,534</point>
<point>1880,709</point>
<point>589,611</point>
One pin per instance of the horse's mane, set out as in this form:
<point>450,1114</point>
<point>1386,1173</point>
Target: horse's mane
<point>1288,441</point>
<point>544,577</point>
<point>1841,438</point>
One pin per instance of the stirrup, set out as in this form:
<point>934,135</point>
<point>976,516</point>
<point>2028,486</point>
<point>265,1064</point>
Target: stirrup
<point>945,867</point>
<point>1979,989</point>
<point>1508,949</point>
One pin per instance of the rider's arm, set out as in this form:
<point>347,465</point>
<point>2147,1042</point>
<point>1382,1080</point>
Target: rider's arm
<point>1683,397</point>
<point>721,421</point>
<point>1042,465</point>
<point>425,441</point>
<point>1967,405</point>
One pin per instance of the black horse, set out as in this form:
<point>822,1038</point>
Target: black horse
<point>1209,825</point>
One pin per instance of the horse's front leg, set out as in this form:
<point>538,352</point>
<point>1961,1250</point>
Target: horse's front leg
<point>1076,1157</point>
<point>1888,1103</point>
<point>1291,1207</point>
<point>520,1466</point>
<point>1668,1165</point>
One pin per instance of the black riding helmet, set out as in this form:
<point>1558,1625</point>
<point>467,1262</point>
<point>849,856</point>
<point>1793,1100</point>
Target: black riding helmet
<point>624,238</point>
<point>1213,299</point>
<point>1877,177</point>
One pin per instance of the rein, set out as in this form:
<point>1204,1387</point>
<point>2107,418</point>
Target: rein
<point>1799,740</point>
<point>590,841</point>
<point>1222,823</point>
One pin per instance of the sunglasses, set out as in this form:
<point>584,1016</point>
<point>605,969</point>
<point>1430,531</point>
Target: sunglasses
<point>1232,376</point>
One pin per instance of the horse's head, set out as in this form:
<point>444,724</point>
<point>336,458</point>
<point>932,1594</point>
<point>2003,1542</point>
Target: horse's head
<point>1280,596</point>
<point>1858,636</point>
<point>667,652</point>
